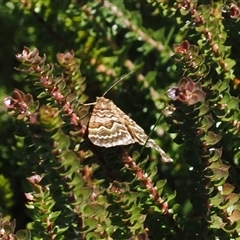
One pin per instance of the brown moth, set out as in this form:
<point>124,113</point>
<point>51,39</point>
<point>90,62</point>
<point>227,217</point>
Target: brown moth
<point>109,126</point>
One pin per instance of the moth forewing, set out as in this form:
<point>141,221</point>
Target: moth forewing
<point>105,128</point>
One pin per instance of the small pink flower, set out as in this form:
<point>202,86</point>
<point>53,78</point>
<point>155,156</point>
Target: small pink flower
<point>234,11</point>
<point>19,103</point>
<point>187,92</point>
<point>182,48</point>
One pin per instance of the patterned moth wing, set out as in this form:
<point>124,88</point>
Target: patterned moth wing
<point>105,128</point>
<point>109,126</point>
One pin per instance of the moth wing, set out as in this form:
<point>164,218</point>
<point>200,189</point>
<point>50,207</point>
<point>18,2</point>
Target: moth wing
<point>109,126</point>
<point>105,128</point>
<point>140,136</point>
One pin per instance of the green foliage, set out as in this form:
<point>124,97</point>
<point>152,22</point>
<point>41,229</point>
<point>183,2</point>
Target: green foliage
<point>184,57</point>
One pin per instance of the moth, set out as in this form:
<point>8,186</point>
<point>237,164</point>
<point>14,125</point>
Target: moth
<point>109,126</point>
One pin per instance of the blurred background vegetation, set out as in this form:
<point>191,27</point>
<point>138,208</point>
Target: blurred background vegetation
<point>111,39</point>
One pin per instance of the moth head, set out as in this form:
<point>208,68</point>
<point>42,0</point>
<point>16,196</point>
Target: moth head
<point>102,99</point>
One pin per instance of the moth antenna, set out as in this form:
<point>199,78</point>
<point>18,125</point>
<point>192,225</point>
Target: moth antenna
<point>89,104</point>
<point>118,81</point>
<point>149,135</point>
